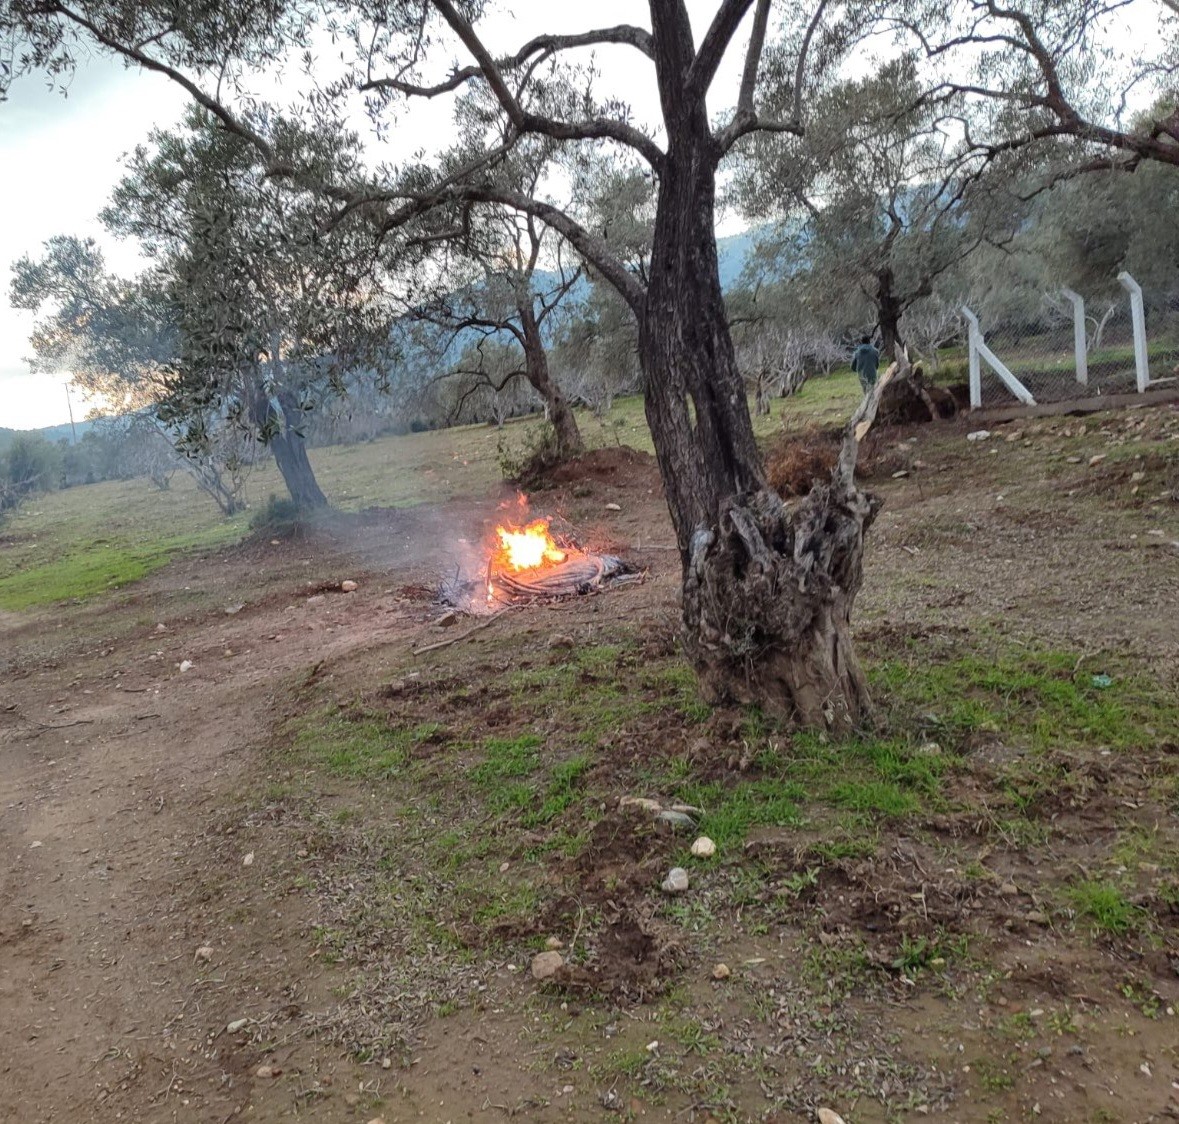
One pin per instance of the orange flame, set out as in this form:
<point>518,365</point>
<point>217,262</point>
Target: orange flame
<point>526,548</point>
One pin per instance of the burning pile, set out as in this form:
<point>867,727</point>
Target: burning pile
<point>528,562</point>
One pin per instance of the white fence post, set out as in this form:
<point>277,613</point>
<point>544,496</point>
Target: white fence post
<point>979,350</point>
<point>1138,313</point>
<point>972,335</point>
<point>1082,352</point>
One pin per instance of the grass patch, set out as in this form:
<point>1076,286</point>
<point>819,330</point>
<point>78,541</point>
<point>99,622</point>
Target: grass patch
<point>562,790</point>
<point>507,758</point>
<point>359,747</point>
<point>102,566</point>
<point>730,810</point>
<point>1106,907</point>
<point>1042,698</point>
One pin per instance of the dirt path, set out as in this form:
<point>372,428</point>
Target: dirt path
<point>118,779</point>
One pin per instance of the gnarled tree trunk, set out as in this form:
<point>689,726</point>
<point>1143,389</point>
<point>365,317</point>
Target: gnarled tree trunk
<point>768,588</point>
<point>536,370</point>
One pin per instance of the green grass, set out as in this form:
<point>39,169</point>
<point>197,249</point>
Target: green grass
<point>865,777</point>
<point>81,570</point>
<point>1105,906</point>
<point>562,790</point>
<point>507,758</point>
<point>363,748</point>
<point>731,810</point>
<point>1042,698</point>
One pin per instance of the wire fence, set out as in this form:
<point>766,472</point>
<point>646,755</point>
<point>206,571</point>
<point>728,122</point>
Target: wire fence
<point>1075,346</point>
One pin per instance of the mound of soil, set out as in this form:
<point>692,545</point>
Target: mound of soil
<point>795,463</point>
<point>619,466</point>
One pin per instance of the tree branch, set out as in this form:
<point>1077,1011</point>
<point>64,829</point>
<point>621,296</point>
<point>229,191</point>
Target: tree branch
<point>712,48</point>
<point>543,45</point>
<point>592,248</point>
<point>129,51</point>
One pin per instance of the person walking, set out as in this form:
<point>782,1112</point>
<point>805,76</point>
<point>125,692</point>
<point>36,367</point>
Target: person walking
<point>865,362</point>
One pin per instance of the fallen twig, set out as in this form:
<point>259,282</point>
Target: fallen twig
<point>462,635</point>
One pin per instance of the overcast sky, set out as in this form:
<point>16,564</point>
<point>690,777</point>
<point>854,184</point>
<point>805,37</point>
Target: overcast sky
<point>61,157</point>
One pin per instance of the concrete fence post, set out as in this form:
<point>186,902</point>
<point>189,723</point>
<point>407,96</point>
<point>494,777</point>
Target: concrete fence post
<point>1138,314</point>
<point>978,352</point>
<point>1082,352</point>
<point>972,338</point>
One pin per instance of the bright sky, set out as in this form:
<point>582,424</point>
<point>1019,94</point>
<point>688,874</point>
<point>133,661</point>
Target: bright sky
<point>61,158</point>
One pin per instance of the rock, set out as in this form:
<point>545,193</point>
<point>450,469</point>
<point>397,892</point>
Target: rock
<point>248,859</point>
<point>236,1025</point>
<point>545,965</point>
<point>1096,459</point>
<point>276,542</point>
<point>688,809</point>
<point>676,819</point>
<point>447,619</point>
<point>613,507</point>
<point>316,599</point>
<point>185,665</point>
<point>35,844</point>
<point>676,881</point>
<point>1008,889</point>
<point>721,972</point>
<point>704,848</point>
<point>829,1116</point>
<point>352,1099</point>
<point>503,867</point>
<point>233,610</point>
<point>386,1063</point>
<point>349,586</point>
<point>267,1071</point>
<point>1137,477</point>
<point>640,802</point>
<point>560,641</point>
<point>161,627</point>
<point>977,435</point>
<point>1037,917</point>
<point>204,953</point>
<point>900,474</point>
<point>1073,460</point>
<point>554,943</point>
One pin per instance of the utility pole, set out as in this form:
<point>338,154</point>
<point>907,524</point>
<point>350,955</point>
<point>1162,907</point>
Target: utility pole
<point>70,406</point>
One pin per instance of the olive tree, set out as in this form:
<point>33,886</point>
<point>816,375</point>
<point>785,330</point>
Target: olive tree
<point>768,589</point>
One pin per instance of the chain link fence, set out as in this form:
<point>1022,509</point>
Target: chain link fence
<point>1074,345</point>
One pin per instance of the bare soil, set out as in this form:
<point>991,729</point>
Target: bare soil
<point>172,871</point>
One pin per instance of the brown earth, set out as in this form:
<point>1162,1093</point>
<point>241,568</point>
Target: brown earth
<point>152,897</point>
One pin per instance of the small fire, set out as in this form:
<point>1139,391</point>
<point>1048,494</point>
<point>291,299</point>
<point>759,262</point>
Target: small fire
<point>526,548</point>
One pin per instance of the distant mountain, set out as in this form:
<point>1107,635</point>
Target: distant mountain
<point>49,432</point>
<point>733,253</point>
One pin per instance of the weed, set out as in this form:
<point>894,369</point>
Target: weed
<point>1105,906</point>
